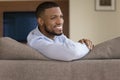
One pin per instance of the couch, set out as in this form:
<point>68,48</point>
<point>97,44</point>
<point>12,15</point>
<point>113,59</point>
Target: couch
<point>21,62</point>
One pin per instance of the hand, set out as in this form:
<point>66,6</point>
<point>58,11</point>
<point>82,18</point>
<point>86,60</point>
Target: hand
<point>87,42</point>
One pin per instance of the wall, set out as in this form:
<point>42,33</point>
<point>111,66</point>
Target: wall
<point>98,26</point>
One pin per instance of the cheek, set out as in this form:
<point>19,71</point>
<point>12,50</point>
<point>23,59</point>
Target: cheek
<point>50,24</point>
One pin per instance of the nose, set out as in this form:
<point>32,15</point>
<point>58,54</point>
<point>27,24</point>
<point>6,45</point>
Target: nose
<point>60,21</point>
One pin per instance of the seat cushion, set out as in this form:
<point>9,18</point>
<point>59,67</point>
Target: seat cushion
<point>12,49</point>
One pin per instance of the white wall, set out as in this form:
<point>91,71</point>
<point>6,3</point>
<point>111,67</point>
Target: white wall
<point>97,26</point>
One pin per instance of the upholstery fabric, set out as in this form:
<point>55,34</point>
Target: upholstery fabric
<point>107,50</point>
<point>57,70</point>
<point>104,69</point>
<point>11,49</point>
<point>34,70</point>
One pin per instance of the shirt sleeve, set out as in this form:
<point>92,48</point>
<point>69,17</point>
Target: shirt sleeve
<point>66,51</point>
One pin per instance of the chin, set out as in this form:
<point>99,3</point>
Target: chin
<point>59,34</point>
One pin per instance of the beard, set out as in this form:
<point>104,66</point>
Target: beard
<point>51,32</point>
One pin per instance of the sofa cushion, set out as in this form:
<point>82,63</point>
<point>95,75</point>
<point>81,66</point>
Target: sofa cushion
<point>109,49</point>
<point>12,49</point>
<point>96,69</point>
<point>35,70</point>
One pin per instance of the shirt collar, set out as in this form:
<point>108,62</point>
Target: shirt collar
<point>41,34</point>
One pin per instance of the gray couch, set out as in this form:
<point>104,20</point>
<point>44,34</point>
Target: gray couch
<point>20,62</point>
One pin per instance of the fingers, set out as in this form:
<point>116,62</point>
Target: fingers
<point>88,43</point>
<point>81,41</point>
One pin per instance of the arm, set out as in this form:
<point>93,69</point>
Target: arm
<point>66,51</point>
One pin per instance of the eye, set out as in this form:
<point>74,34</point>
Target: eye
<point>53,17</point>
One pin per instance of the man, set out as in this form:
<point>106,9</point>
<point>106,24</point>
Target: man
<point>48,37</point>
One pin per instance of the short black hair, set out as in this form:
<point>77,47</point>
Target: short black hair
<point>45,5</point>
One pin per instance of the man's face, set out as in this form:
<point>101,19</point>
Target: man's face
<point>53,21</point>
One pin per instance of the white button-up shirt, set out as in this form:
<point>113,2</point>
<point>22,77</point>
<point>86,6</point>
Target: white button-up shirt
<point>61,48</point>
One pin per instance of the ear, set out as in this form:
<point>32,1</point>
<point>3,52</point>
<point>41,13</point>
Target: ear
<point>40,21</point>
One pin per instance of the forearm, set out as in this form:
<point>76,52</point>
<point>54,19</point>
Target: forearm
<point>65,52</point>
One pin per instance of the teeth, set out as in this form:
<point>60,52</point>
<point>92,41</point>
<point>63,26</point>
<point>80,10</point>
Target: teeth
<point>59,27</point>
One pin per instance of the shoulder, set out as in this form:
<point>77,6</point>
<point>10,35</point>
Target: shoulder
<point>34,35</point>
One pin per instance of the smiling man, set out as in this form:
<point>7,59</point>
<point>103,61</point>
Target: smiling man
<point>48,37</point>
